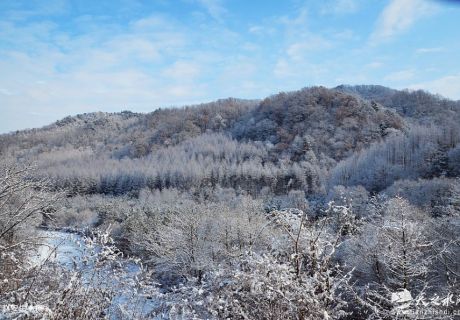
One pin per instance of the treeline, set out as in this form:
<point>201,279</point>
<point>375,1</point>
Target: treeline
<point>424,152</point>
<point>209,160</point>
<point>126,134</point>
<point>308,140</point>
<point>417,106</point>
<point>286,142</point>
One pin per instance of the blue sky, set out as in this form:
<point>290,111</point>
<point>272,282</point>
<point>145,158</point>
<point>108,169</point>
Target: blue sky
<point>63,57</point>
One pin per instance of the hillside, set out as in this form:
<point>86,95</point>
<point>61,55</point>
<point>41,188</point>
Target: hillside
<point>335,124</point>
<point>298,140</point>
<point>330,123</point>
<point>285,142</point>
<point>136,134</point>
<point>416,105</point>
<point>292,205</point>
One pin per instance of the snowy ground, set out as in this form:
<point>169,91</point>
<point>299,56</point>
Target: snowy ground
<point>73,252</point>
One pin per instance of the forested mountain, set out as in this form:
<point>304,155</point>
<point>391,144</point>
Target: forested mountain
<point>328,122</point>
<point>133,135</point>
<point>416,105</point>
<point>288,207</point>
<point>299,140</point>
<point>287,141</point>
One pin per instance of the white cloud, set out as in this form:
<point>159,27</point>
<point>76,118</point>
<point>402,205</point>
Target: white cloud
<point>298,50</point>
<point>184,91</point>
<point>55,7</point>
<point>448,86</point>
<point>299,42</point>
<point>148,23</point>
<point>182,70</point>
<point>299,72</point>
<point>374,65</point>
<point>401,75</point>
<point>429,50</point>
<point>148,63</point>
<point>262,30</point>
<point>250,46</point>
<point>398,16</point>
<point>300,19</point>
<point>256,29</point>
<point>340,7</point>
<point>344,35</point>
<point>283,69</point>
<point>58,74</point>
<point>215,9</point>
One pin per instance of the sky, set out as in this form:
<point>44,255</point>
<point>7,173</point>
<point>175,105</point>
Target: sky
<point>65,57</point>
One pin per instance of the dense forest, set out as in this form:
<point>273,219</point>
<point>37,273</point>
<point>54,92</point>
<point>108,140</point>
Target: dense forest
<point>339,203</point>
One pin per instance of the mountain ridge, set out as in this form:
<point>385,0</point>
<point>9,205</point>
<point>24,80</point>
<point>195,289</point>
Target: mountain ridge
<point>288,141</point>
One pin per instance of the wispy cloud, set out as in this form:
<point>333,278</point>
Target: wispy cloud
<point>300,44</point>
<point>215,8</point>
<point>374,65</point>
<point>448,86</point>
<point>398,16</point>
<point>298,50</point>
<point>183,70</point>
<point>401,75</point>
<point>139,66</point>
<point>142,64</point>
<point>15,13</point>
<point>339,7</point>
<point>430,50</point>
<point>299,19</point>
